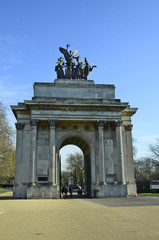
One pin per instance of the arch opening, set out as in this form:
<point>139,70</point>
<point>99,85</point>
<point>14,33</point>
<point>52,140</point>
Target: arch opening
<point>79,148</point>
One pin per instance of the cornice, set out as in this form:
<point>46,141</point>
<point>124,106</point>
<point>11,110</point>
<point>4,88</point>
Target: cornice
<point>77,83</point>
<point>129,111</point>
<point>71,105</point>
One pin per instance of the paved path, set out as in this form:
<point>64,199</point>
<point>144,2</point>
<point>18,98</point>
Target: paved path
<point>79,219</point>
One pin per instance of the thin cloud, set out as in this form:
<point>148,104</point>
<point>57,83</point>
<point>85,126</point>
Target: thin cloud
<point>12,50</point>
<point>5,68</point>
<point>142,141</point>
<point>149,138</point>
<point>12,94</point>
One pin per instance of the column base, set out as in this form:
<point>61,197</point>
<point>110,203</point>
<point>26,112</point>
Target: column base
<point>32,184</point>
<point>42,192</point>
<point>111,190</point>
<point>19,192</point>
<point>101,183</point>
<point>131,189</point>
<point>52,184</point>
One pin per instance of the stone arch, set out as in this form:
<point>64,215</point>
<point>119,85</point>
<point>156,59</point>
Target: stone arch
<point>87,146</point>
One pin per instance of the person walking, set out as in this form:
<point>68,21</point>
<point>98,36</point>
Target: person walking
<point>70,191</point>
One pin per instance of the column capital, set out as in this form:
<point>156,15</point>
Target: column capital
<point>52,123</point>
<point>34,122</point>
<point>19,126</point>
<point>118,123</point>
<point>101,123</point>
<point>128,127</point>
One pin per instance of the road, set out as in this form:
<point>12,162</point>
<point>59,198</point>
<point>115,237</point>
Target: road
<point>86,219</point>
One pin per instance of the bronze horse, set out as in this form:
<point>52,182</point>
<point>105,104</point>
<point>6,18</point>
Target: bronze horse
<point>87,68</point>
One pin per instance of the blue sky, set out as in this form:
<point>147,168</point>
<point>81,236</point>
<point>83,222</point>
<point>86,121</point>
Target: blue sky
<point>121,37</point>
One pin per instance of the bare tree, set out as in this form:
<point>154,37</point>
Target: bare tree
<point>7,151</point>
<point>146,169</point>
<point>75,166</point>
<point>154,150</point>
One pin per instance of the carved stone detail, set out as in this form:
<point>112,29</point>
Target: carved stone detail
<point>72,70</point>
<point>34,122</point>
<point>95,126</point>
<point>86,127</point>
<point>19,126</point>
<point>101,124</point>
<point>75,127</point>
<point>44,127</point>
<point>113,125</point>
<point>118,123</point>
<point>52,123</point>
<point>63,127</point>
<point>128,127</point>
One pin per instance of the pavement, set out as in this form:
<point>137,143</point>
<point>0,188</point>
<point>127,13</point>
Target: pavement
<point>84,219</point>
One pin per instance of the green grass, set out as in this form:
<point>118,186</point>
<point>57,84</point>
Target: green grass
<point>148,194</point>
<point>2,191</point>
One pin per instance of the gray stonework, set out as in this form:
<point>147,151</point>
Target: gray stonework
<point>77,112</point>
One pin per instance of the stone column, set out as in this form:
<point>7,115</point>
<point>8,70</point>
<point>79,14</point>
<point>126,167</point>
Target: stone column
<point>57,170</point>
<point>130,167</point>
<point>101,153</point>
<point>33,162</point>
<point>119,153</point>
<point>52,155</point>
<point>19,150</point>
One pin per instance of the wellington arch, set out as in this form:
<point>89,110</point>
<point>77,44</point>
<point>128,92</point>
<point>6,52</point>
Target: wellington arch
<point>73,110</point>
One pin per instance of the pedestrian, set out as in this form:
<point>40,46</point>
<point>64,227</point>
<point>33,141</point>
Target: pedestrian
<point>65,190</point>
<point>70,191</point>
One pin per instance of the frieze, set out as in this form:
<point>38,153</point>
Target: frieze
<point>128,127</point>
<point>63,127</point>
<point>86,127</point>
<point>95,126</point>
<point>19,126</point>
<point>44,127</point>
<point>75,127</point>
<point>80,107</point>
<point>107,126</point>
<point>113,126</point>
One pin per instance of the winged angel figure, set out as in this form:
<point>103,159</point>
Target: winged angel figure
<point>69,57</point>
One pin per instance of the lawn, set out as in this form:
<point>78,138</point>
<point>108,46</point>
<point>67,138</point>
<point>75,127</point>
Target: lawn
<point>2,190</point>
<point>148,194</point>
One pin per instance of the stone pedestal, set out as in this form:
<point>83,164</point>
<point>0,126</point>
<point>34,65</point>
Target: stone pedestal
<point>111,190</point>
<point>45,192</point>
<point>20,192</point>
